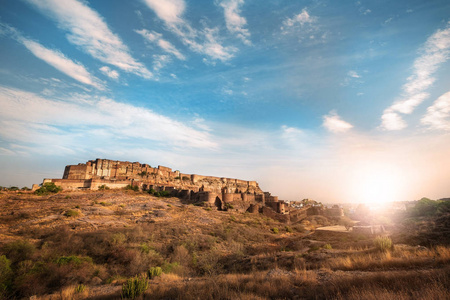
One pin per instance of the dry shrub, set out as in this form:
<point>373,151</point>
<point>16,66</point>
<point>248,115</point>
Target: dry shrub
<point>181,255</point>
<point>74,292</point>
<point>393,285</point>
<point>129,262</point>
<point>443,254</point>
<point>235,286</point>
<point>382,243</point>
<point>19,250</point>
<point>208,263</point>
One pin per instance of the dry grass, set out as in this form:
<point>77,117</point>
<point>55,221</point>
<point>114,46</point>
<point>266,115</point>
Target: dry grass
<point>203,254</point>
<point>400,258</point>
<point>258,285</point>
<point>321,284</point>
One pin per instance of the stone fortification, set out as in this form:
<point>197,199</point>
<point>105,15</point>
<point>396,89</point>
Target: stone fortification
<point>216,192</point>
<point>118,174</point>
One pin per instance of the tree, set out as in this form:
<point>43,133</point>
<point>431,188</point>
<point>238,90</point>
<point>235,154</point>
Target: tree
<point>47,188</point>
<point>346,222</point>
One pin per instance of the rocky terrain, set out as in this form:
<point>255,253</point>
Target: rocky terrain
<point>76,245</point>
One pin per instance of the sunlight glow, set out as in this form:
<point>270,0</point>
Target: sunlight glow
<point>378,183</point>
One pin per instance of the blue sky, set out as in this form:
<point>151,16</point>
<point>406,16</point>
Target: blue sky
<point>330,100</point>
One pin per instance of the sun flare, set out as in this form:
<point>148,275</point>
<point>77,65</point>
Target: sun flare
<point>378,184</point>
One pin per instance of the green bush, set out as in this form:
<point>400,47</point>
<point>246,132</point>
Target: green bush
<point>229,206</point>
<point>132,188</point>
<point>164,194</point>
<point>154,272</point>
<point>5,276</point>
<point>134,287</point>
<point>382,243</point>
<point>313,248</point>
<point>103,187</point>
<point>72,213</point>
<point>19,250</point>
<point>327,246</point>
<point>118,238</point>
<point>48,188</point>
<point>144,248</point>
<point>289,229</point>
<point>73,259</point>
<point>169,267</point>
<point>80,288</point>
<point>275,230</point>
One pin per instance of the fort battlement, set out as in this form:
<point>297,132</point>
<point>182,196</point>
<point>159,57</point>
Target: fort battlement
<point>117,174</point>
<point>219,192</point>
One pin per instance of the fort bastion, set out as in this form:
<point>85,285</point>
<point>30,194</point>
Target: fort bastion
<point>217,192</point>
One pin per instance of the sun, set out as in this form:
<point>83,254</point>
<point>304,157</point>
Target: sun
<point>378,183</point>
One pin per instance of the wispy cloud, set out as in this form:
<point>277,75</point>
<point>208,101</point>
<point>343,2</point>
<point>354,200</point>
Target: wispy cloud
<point>291,134</point>
<point>26,113</point>
<point>109,72</point>
<point>205,41</point>
<point>435,51</point>
<point>156,38</point>
<point>87,29</point>
<point>304,26</point>
<point>335,124</point>
<point>54,58</point>
<point>234,21</point>
<point>160,61</point>
<point>302,19</point>
<point>353,74</point>
<point>352,77</point>
<point>438,114</point>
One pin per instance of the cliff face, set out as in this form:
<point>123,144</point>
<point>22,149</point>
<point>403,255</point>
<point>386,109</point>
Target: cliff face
<point>120,173</point>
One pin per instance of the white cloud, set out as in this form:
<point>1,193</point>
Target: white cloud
<point>304,27</point>
<point>335,124</point>
<point>353,74</point>
<point>392,121</point>
<point>212,47</point>
<point>87,29</point>
<point>27,117</point>
<point>234,21</point>
<point>435,51</point>
<point>156,38</point>
<point>170,11</point>
<point>109,72</point>
<point>438,114</point>
<point>200,123</point>
<point>299,19</point>
<point>57,60</point>
<point>54,58</point>
<point>389,20</point>
<point>204,41</point>
<point>160,61</point>
<point>292,135</point>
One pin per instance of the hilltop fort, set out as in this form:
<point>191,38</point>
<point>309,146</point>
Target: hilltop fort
<point>216,192</point>
<point>220,192</point>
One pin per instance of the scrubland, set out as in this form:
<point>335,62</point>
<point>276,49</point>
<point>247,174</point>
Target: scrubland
<point>112,244</point>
